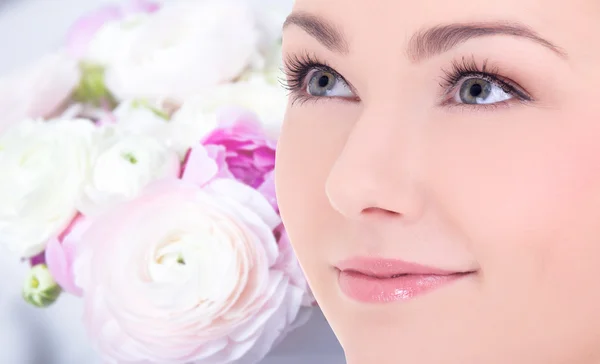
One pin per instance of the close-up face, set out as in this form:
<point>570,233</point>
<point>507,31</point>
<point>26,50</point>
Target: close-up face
<point>438,173</point>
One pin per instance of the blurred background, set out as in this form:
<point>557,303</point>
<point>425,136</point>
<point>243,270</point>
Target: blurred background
<point>28,30</point>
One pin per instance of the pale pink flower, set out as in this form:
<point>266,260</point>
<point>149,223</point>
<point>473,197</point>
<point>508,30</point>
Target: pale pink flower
<point>37,90</point>
<point>288,262</point>
<point>202,164</point>
<point>60,254</point>
<point>187,274</point>
<point>240,148</point>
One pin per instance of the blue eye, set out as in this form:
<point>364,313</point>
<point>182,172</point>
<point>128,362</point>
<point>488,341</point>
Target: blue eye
<point>470,84</point>
<point>327,84</point>
<point>480,91</point>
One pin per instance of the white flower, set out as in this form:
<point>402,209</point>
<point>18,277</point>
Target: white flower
<point>271,15</point>
<point>115,38</point>
<point>199,114</point>
<point>37,89</point>
<point>123,165</point>
<point>186,47</point>
<point>270,70</point>
<point>43,167</point>
<point>141,118</point>
<point>138,117</point>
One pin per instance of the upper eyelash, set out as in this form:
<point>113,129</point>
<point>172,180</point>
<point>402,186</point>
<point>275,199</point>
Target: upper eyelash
<point>463,68</point>
<point>296,69</point>
<point>470,68</point>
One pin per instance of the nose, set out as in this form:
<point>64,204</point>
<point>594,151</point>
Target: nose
<point>378,169</point>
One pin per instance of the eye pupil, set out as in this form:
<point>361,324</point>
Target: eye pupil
<point>476,90</point>
<point>323,81</point>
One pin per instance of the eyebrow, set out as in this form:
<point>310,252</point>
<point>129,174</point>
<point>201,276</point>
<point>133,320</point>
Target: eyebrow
<point>326,33</point>
<point>425,43</point>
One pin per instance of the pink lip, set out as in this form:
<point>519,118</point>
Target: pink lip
<point>385,280</point>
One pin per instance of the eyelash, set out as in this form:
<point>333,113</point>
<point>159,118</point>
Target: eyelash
<point>297,68</point>
<point>466,69</point>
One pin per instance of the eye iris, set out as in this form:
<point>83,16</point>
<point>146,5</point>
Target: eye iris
<point>321,83</point>
<point>475,90</point>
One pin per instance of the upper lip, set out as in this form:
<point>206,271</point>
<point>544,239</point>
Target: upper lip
<point>387,268</point>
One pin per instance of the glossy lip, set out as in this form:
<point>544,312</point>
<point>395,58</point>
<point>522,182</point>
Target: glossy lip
<point>375,280</point>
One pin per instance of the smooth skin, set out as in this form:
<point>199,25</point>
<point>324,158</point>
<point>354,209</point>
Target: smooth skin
<point>510,191</point>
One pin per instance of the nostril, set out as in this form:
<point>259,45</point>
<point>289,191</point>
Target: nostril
<point>379,211</point>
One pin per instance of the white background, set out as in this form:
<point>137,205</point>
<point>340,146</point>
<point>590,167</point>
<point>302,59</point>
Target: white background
<point>28,29</point>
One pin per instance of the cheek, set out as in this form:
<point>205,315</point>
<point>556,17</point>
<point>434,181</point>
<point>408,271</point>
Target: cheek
<point>311,139</point>
<point>526,192</point>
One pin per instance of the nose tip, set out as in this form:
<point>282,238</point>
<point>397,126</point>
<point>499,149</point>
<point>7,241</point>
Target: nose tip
<point>369,195</point>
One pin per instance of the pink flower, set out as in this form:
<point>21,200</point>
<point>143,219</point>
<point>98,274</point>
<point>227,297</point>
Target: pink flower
<point>37,90</point>
<point>187,274</point>
<point>202,164</point>
<point>243,150</point>
<point>82,32</point>
<point>267,188</point>
<point>60,253</point>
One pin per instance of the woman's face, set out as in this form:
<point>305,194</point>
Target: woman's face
<point>457,135</point>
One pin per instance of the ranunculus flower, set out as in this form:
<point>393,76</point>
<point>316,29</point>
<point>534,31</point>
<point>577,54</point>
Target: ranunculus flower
<point>38,89</point>
<point>249,152</point>
<point>267,188</point>
<point>238,148</point>
<point>123,165</point>
<point>202,111</point>
<point>114,38</point>
<point>205,163</point>
<point>288,262</point>
<point>43,165</point>
<point>186,47</point>
<point>270,70</point>
<point>271,15</point>
<point>153,119</point>
<point>83,30</point>
<point>60,254</point>
<point>186,274</point>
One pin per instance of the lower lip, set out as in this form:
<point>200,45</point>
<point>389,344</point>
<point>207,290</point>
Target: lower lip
<point>370,289</point>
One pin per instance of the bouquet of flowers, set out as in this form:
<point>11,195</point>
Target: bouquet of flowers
<point>137,173</point>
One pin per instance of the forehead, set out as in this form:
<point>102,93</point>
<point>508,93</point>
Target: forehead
<point>397,20</point>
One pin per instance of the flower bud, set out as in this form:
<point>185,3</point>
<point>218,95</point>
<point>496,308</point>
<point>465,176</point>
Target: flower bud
<point>40,289</point>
